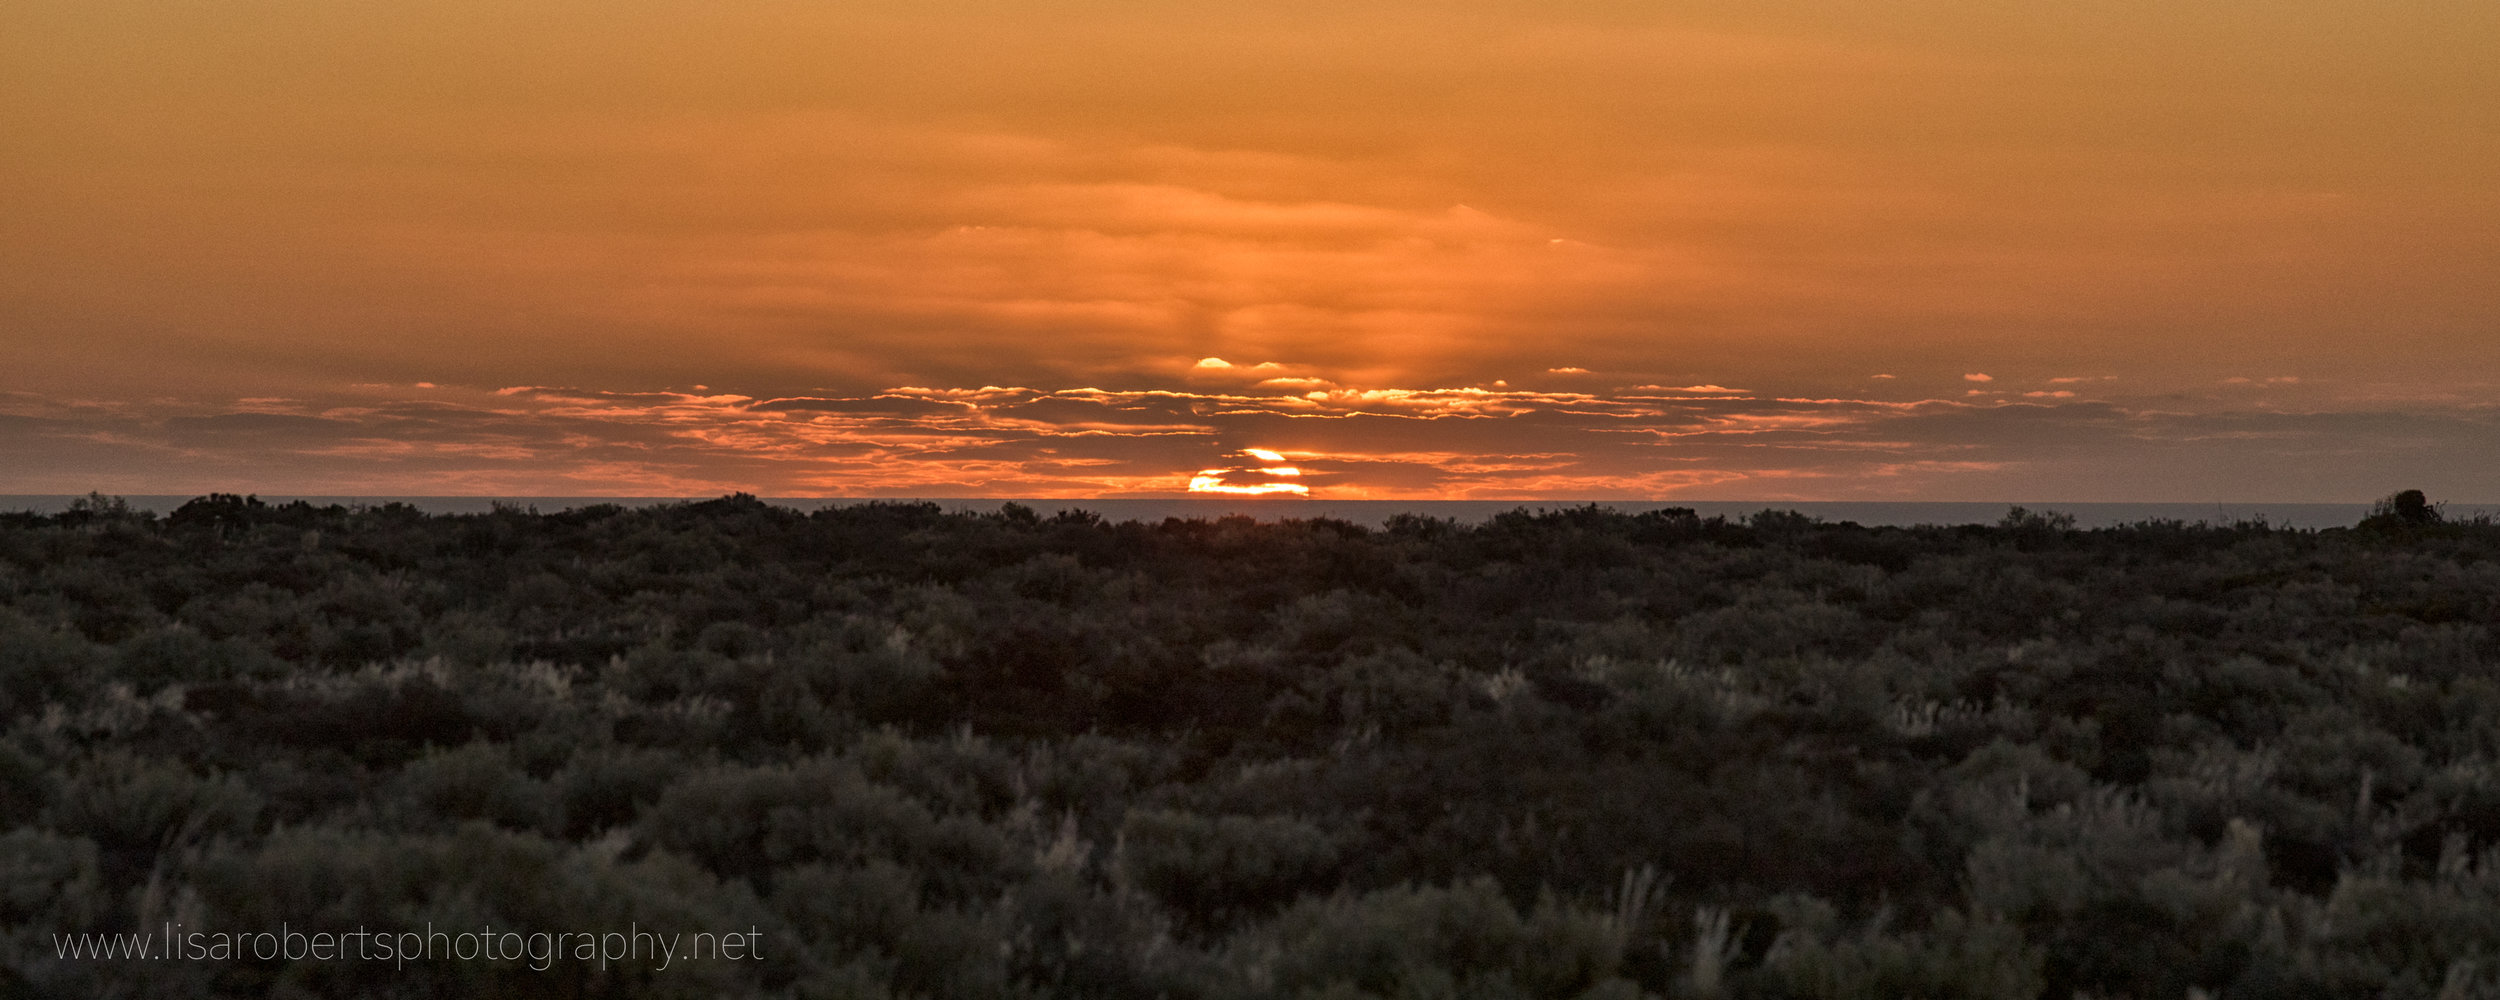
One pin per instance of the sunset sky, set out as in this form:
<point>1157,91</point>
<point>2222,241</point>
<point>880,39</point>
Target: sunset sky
<point>1934,249</point>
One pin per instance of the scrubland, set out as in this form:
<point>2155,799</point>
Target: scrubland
<point>1573,754</point>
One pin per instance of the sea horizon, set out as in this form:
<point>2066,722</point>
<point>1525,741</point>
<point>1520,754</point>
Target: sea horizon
<point>1374,513</point>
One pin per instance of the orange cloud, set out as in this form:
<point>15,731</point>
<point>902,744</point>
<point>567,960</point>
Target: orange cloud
<point>1088,441</point>
<point>1687,388</point>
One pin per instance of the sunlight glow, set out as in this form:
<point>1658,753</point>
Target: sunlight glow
<point>1212,481</point>
<point>1261,481</point>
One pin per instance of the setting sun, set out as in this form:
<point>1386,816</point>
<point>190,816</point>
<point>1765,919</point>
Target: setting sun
<point>1212,481</point>
<point>1251,480</point>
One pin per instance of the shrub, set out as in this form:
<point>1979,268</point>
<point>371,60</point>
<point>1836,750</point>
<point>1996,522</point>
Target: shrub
<point>1217,871</point>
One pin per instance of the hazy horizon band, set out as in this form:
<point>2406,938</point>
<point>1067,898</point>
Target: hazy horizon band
<point>1377,512</point>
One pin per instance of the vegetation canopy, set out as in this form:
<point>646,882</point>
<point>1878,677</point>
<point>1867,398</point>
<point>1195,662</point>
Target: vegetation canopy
<point>1577,753</point>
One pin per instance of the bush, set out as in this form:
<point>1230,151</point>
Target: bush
<point>1462,940</point>
<point>1216,872</point>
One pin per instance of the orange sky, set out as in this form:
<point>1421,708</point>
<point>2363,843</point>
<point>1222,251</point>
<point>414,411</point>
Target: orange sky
<point>2241,250</point>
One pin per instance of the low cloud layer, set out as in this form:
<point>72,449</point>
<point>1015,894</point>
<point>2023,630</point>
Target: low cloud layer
<point>1315,437</point>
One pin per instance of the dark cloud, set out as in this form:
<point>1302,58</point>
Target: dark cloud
<point>891,406</point>
<point>236,428</point>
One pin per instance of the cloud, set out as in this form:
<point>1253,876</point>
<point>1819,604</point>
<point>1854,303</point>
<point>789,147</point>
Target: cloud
<point>836,199</point>
<point>1345,442</point>
<point>887,405</point>
<point>1979,377</point>
<point>1218,369</point>
<point>1686,388</point>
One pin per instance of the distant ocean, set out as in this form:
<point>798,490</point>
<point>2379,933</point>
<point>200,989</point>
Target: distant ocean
<point>1375,512</point>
